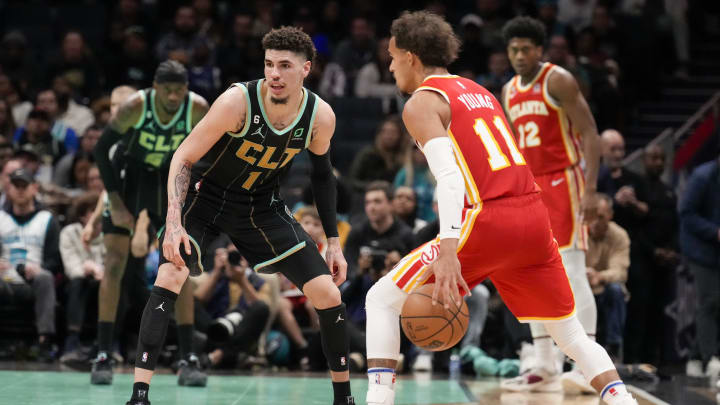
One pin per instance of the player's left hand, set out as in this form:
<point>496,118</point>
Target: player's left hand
<point>447,277</point>
<point>336,261</point>
<point>588,206</point>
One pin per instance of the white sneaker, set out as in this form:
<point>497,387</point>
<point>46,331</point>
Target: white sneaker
<point>713,367</point>
<point>693,368</point>
<point>423,362</point>
<point>527,357</point>
<point>574,383</point>
<point>379,394</point>
<point>534,380</point>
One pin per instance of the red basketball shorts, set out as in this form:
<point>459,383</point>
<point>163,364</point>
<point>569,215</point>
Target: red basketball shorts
<point>510,242</point>
<point>561,193</point>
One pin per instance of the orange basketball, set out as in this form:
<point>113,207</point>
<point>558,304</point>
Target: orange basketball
<point>433,327</point>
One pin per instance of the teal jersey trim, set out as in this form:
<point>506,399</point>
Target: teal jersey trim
<point>262,110</point>
<point>155,116</point>
<point>282,256</point>
<point>247,113</point>
<point>312,121</point>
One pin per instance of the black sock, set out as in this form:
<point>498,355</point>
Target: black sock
<point>341,390</point>
<point>105,336</point>
<point>185,338</point>
<point>140,391</point>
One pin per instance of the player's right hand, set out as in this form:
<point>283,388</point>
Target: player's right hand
<point>175,235</point>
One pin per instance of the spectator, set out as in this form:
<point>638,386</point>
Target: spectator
<point>629,192</point>
<point>231,287</point>
<point>607,37</point>
<point>382,159</point>
<point>241,56</point>
<point>30,257</point>
<point>547,13</point>
<point>77,64</point>
<point>76,116</point>
<point>498,73</point>
<point>135,65</point>
<point>17,63</point>
<point>47,101</point>
<point>370,241</point>
<point>415,173</point>
<point>607,261</point>
<point>10,166</point>
<point>7,123</point>
<point>576,13</point>
<point>101,111</point>
<point>203,77</point>
<point>404,204</point>
<point>180,43</point>
<point>558,53</point>
<point>473,54</point>
<point>662,230</point>
<point>94,181</point>
<point>64,175</point>
<point>493,20</point>
<point>6,153</point>
<point>310,221</point>
<point>375,79</point>
<point>83,269</point>
<point>206,20</point>
<point>35,137</point>
<point>11,94</point>
<point>350,55</point>
<point>700,242</point>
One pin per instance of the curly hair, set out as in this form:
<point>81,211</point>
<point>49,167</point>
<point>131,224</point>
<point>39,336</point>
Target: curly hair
<point>291,39</point>
<point>524,27</point>
<point>428,36</point>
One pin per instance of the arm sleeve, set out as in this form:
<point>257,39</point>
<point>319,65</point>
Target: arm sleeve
<point>51,249</point>
<point>324,192</point>
<point>450,185</point>
<point>101,152</point>
<point>690,210</point>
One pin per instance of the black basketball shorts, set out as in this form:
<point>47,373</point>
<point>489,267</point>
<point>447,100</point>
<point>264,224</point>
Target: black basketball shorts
<point>263,230</point>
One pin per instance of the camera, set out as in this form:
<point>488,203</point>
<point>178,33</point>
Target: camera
<point>234,258</point>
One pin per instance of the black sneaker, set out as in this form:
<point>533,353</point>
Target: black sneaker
<point>138,402</point>
<point>102,372</point>
<point>190,372</point>
<point>346,401</point>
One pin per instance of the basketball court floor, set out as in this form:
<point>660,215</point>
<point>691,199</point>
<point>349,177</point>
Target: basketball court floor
<point>26,383</point>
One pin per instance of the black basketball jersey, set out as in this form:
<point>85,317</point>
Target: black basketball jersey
<point>153,143</point>
<point>254,161</point>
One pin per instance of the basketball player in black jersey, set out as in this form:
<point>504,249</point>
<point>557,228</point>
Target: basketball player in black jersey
<point>148,127</point>
<point>225,178</point>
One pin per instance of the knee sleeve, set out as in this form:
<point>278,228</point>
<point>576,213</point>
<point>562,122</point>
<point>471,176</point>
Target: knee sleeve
<point>570,336</point>
<point>335,341</point>
<point>383,305</point>
<point>153,326</point>
<point>585,307</point>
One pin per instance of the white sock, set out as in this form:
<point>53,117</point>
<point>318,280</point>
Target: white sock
<point>382,376</point>
<point>615,393</point>
<point>544,354</point>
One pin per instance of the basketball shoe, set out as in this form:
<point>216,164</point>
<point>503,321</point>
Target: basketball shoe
<point>102,372</point>
<point>574,383</point>
<point>190,373</point>
<point>537,379</point>
<point>379,394</point>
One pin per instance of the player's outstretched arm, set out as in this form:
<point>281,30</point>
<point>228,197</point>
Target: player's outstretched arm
<point>426,116</point>
<point>128,114</point>
<point>226,114</point>
<point>324,188</point>
<point>564,88</point>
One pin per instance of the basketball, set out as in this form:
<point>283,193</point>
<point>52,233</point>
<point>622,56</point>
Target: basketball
<point>433,327</point>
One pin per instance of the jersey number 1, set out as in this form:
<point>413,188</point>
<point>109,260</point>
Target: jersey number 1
<point>497,159</point>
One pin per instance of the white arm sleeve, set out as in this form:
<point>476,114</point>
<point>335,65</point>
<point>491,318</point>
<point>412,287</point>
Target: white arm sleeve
<point>450,185</point>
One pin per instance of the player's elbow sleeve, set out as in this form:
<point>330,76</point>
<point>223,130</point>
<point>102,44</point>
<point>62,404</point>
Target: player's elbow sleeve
<point>450,185</point>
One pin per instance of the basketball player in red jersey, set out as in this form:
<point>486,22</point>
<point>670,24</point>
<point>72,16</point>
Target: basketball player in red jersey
<point>547,111</point>
<point>490,209</point>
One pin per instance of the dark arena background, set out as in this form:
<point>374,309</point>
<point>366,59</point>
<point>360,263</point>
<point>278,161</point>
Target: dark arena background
<point>649,70</point>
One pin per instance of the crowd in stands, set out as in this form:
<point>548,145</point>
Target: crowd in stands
<point>54,104</point>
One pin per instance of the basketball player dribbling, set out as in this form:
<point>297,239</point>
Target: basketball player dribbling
<point>547,110</point>
<point>489,208</point>
<point>225,178</point>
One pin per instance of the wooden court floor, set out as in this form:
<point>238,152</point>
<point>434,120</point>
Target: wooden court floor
<point>73,388</point>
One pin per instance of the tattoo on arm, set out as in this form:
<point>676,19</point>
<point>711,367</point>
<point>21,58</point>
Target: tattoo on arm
<point>182,180</point>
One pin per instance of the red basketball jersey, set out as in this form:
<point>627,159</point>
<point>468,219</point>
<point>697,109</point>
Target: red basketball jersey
<point>544,133</point>
<point>485,149</point>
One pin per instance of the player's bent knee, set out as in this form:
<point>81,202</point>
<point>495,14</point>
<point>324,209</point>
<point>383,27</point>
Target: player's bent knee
<point>322,292</point>
<point>385,295</point>
<point>170,277</point>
